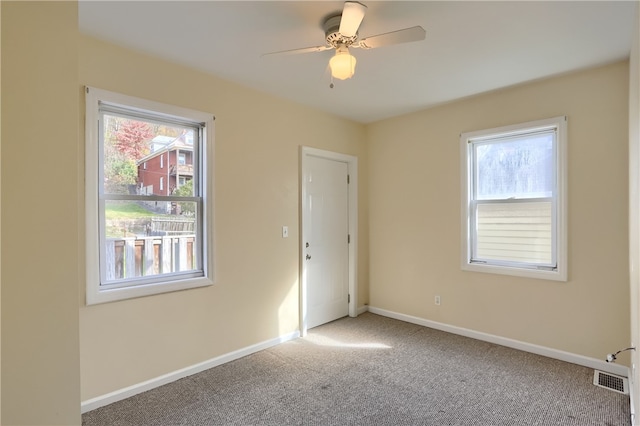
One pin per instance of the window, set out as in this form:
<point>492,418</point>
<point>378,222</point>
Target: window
<point>182,159</point>
<point>141,242</point>
<point>161,161</point>
<point>514,198</point>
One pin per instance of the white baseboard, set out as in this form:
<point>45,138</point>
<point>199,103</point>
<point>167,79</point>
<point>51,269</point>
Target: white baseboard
<point>101,401</point>
<point>597,364</point>
<point>363,309</point>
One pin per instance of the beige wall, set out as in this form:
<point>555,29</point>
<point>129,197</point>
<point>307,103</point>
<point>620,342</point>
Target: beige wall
<point>634,210</point>
<point>40,342</point>
<point>414,177</point>
<point>257,140</point>
<point>0,217</point>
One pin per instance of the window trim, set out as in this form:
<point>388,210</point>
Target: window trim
<point>94,293</point>
<point>560,220</point>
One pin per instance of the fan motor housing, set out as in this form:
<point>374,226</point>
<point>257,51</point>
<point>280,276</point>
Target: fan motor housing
<point>331,29</point>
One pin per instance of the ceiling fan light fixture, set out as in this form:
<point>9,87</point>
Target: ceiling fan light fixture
<point>343,64</point>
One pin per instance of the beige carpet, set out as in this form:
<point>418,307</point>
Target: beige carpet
<point>373,370</point>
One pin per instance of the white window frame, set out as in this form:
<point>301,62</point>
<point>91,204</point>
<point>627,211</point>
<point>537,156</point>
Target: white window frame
<point>161,182</point>
<point>204,276</point>
<point>559,199</point>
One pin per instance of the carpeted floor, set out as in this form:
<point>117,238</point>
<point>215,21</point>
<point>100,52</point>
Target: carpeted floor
<point>373,370</point>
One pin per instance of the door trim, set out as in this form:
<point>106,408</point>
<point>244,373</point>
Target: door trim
<point>352,167</point>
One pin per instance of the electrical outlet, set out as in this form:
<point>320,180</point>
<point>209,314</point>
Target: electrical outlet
<point>437,300</point>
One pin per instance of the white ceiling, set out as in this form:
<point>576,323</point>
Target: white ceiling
<point>470,47</point>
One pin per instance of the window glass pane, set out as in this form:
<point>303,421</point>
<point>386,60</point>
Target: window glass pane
<point>135,218</point>
<point>520,167</point>
<point>517,232</point>
<point>143,157</point>
<point>146,238</point>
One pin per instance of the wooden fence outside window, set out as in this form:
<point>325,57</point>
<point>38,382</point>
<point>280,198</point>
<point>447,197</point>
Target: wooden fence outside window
<point>131,257</point>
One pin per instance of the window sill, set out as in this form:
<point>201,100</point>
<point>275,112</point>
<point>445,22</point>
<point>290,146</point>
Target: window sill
<point>557,275</point>
<point>114,294</point>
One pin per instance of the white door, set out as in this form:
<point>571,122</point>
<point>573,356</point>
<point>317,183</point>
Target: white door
<point>325,246</point>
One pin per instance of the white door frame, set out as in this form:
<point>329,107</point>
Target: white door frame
<point>352,167</point>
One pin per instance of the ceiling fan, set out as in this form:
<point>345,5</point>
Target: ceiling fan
<point>341,32</point>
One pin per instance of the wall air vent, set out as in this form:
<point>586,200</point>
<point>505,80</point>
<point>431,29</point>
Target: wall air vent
<point>610,381</point>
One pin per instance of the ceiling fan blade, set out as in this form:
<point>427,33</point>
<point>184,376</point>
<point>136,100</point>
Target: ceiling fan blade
<point>296,51</point>
<point>395,37</point>
<point>352,16</point>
